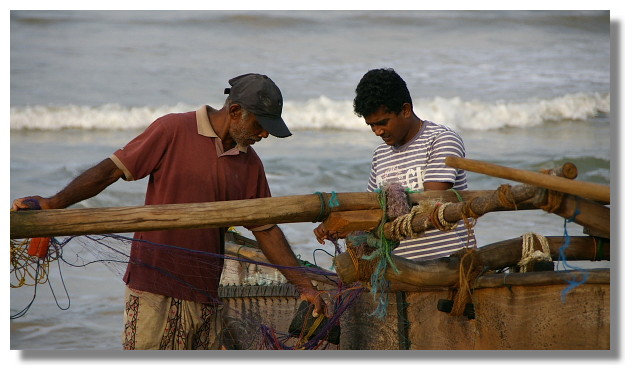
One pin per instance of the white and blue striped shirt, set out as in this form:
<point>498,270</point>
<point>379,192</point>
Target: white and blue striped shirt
<point>421,160</point>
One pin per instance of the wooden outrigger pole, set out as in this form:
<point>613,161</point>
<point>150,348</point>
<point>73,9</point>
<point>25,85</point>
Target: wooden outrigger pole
<point>291,209</point>
<point>597,192</point>
<point>275,210</point>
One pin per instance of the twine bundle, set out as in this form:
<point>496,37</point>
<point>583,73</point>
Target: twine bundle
<point>530,254</point>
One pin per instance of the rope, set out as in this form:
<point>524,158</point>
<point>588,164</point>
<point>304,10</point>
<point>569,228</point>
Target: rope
<point>438,219</point>
<point>334,202</point>
<point>26,269</point>
<point>325,210</point>
<point>401,227</point>
<point>458,196</point>
<point>554,200</point>
<point>322,215</point>
<point>505,197</point>
<point>376,249</point>
<point>563,259</point>
<point>364,268</point>
<point>529,254</point>
<point>470,267</point>
<point>468,212</point>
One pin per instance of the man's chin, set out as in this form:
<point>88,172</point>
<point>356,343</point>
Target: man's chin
<point>248,143</point>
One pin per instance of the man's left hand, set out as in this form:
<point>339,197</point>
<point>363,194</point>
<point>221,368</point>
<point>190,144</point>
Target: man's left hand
<point>319,306</point>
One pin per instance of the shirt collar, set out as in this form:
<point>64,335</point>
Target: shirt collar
<point>205,128</point>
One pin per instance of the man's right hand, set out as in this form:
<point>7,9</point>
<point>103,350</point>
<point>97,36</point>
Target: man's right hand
<point>30,203</point>
<point>322,234</point>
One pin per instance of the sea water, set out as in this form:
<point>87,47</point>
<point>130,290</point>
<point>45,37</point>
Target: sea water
<point>524,89</point>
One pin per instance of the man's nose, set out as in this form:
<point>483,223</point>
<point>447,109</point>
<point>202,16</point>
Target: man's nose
<point>264,133</point>
<point>377,130</point>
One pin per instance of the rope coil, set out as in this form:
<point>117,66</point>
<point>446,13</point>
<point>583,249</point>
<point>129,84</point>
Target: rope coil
<point>530,254</point>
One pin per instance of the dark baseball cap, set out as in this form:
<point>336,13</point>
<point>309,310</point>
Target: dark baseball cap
<point>259,95</point>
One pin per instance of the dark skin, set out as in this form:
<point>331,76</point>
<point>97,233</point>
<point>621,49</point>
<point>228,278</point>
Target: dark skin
<point>395,129</point>
<point>272,241</point>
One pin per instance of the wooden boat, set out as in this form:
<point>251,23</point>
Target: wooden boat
<point>434,304</point>
<point>512,310</point>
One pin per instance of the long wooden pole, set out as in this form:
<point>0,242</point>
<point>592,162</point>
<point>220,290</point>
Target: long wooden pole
<point>444,272</point>
<point>597,192</point>
<point>275,210</point>
<point>582,211</point>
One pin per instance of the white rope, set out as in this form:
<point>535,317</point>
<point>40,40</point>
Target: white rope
<point>530,254</point>
<point>446,226</point>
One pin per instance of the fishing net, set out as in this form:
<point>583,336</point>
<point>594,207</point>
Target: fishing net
<point>258,301</point>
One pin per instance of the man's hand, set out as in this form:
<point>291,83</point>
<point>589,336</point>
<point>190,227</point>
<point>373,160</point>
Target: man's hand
<point>313,297</point>
<point>86,185</point>
<point>30,203</point>
<point>275,247</point>
<point>322,234</point>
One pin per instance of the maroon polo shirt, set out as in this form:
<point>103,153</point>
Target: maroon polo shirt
<point>185,162</point>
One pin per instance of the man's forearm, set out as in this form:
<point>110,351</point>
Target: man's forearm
<point>87,185</point>
<point>275,247</point>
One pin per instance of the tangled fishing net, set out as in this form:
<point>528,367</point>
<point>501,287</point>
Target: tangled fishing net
<point>248,324</point>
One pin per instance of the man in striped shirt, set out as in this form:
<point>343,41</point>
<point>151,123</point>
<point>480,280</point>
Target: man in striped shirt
<point>413,155</point>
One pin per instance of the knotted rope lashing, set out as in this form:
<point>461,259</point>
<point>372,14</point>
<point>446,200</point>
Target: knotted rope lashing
<point>470,268</point>
<point>401,227</point>
<point>375,249</point>
<point>325,210</point>
<point>437,217</point>
<point>505,197</point>
<point>529,253</point>
<point>358,248</point>
<point>392,193</point>
<point>553,200</point>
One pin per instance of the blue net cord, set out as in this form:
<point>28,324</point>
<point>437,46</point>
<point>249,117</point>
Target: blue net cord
<point>573,283</point>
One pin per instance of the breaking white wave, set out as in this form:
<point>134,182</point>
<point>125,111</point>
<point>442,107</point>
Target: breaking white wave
<point>325,113</point>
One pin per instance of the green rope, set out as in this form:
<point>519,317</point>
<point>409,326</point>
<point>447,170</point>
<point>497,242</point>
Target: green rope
<point>333,202</point>
<point>457,195</point>
<point>384,248</point>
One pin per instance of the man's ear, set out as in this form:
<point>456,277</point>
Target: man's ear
<point>406,110</point>
<point>235,111</point>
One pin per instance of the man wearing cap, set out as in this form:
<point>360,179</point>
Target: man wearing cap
<point>171,297</point>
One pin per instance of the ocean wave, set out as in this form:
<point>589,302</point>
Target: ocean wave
<point>326,113</point>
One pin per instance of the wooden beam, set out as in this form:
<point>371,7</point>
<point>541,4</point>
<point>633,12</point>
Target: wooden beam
<point>587,213</point>
<point>592,276</point>
<point>348,221</point>
<point>444,272</point>
<point>480,205</point>
<point>597,192</point>
<point>581,211</point>
<point>275,210</point>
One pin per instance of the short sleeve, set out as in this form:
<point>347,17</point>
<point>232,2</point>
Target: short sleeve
<point>447,143</point>
<point>144,154</point>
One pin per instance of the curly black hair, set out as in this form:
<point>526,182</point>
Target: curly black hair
<point>380,87</point>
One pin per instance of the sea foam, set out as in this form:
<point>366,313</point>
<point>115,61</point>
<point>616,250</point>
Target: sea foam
<point>325,113</point>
